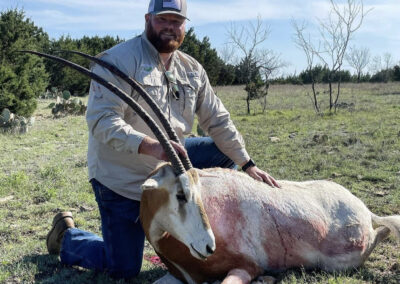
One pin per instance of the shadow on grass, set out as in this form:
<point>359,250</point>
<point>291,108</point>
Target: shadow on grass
<point>50,270</point>
<point>361,274</point>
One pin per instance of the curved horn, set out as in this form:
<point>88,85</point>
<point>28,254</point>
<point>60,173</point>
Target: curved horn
<point>148,99</point>
<point>169,150</point>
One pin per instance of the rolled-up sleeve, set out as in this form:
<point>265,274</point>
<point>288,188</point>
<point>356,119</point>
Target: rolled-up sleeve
<point>215,119</point>
<point>106,112</point>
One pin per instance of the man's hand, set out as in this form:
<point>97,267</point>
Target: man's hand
<point>152,147</point>
<point>260,175</point>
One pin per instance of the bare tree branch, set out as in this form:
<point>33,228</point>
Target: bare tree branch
<point>358,59</point>
<point>336,31</point>
<point>248,39</point>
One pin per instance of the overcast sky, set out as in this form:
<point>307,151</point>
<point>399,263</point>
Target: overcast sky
<point>125,18</point>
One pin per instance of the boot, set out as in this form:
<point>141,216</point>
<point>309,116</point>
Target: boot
<point>61,222</point>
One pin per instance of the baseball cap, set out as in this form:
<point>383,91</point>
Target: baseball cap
<point>177,7</point>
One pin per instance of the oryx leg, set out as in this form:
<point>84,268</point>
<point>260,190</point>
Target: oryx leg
<point>381,233</point>
<point>237,276</point>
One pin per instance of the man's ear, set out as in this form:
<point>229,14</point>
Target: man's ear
<point>147,17</point>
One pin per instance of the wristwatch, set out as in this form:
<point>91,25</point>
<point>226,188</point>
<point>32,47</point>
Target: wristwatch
<point>249,164</point>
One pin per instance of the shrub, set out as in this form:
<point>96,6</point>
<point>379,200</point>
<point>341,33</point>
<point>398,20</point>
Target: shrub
<point>9,122</point>
<point>22,77</point>
<point>67,106</point>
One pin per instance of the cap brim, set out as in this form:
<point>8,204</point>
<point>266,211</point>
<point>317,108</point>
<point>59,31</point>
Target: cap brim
<point>170,12</point>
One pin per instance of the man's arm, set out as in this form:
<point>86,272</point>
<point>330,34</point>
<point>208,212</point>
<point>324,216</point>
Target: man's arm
<point>215,119</point>
<point>106,112</point>
<point>152,147</point>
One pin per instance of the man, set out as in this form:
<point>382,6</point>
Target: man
<point>123,151</point>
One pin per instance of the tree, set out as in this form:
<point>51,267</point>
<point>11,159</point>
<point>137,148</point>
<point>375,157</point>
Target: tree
<point>382,68</point>
<point>226,75</point>
<point>67,78</point>
<point>22,77</point>
<point>387,64</point>
<point>396,73</point>
<point>358,59</point>
<point>376,64</point>
<point>335,31</point>
<point>257,63</point>
<point>306,45</point>
<point>208,57</point>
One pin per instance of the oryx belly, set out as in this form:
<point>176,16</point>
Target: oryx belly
<point>310,224</point>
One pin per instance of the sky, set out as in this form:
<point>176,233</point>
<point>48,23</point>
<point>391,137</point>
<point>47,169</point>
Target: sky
<point>380,31</point>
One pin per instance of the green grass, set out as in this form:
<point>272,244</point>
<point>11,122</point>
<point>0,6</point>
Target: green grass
<point>45,171</point>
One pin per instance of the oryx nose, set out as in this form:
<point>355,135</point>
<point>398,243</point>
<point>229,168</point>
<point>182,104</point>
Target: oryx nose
<point>209,250</point>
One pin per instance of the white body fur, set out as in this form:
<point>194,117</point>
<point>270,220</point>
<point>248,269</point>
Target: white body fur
<point>313,224</point>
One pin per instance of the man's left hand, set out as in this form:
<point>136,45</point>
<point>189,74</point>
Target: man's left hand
<point>260,175</point>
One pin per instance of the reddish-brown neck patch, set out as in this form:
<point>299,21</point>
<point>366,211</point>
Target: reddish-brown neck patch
<point>152,201</point>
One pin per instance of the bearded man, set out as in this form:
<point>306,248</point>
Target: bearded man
<point>122,150</point>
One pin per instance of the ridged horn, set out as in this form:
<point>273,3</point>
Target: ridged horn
<point>142,92</point>
<point>169,150</point>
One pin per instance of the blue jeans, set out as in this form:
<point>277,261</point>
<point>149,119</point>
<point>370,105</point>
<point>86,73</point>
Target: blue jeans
<point>120,251</point>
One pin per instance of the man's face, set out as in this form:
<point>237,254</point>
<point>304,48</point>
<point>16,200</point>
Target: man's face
<point>166,31</point>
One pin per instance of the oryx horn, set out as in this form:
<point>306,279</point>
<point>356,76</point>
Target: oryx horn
<point>169,150</point>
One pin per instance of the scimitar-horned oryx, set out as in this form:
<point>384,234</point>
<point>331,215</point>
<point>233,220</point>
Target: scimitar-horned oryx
<point>257,228</point>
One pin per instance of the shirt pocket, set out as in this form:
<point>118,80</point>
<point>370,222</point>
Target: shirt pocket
<point>189,90</point>
<point>152,83</point>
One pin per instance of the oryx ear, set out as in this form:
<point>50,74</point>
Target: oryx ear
<point>150,183</point>
<point>160,176</point>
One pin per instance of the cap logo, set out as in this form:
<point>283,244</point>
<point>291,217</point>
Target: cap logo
<point>174,4</point>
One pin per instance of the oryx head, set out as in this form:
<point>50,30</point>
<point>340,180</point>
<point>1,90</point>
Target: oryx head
<point>174,205</point>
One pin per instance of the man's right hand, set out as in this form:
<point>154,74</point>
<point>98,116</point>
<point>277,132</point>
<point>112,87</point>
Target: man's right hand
<point>152,147</point>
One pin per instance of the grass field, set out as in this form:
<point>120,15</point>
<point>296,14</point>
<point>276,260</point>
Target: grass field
<point>45,171</point>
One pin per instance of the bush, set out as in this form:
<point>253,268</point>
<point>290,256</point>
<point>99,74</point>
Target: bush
<point>9,122</point>
<point>22,77</point>
<point>67,106</point>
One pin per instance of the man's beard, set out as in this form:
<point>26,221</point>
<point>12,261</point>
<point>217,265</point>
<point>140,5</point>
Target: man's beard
<point>163,46</point>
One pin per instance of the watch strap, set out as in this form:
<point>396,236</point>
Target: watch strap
<point>249,164</point>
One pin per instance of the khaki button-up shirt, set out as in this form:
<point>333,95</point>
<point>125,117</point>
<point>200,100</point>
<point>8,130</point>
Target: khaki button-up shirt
<point>116,131</point>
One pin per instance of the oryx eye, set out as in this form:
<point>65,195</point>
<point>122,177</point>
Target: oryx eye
<point>181,198</point>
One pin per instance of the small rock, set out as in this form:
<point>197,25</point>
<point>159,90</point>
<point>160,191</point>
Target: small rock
<point>84,208</point>
<point>359,177</point>
<point>265,280</point>
<point>335,175</point>
<point>274,139</point>
<point>292,135</point>
<point>320,138</point>
<point>380,193</point>
<point>5,199</point>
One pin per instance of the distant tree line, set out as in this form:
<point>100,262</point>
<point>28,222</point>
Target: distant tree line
<point>320,75</point>
<point>65,78</point>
